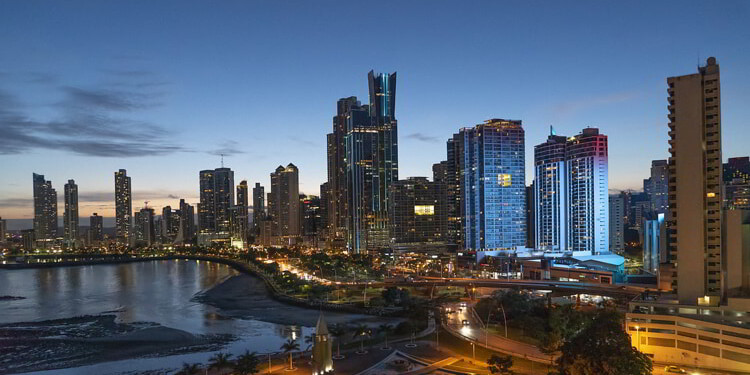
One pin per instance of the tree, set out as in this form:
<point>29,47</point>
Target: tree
<point>189,369</point>
<point>219,361</point>
<point>288,347</point>
<point>500,365</point>
<point>247,363</point>
<point>338,331</point>
<point>362,330</point>
<point>602,347</point>
<point>385,329</point>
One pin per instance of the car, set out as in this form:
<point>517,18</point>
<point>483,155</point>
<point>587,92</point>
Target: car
<point>465,322</point>
<point>448,310</point>
<point>674,370</point>
<point>462,304</point>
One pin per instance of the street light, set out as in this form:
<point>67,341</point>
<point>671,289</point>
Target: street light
<point>638,337</point>
<point>473,351</point>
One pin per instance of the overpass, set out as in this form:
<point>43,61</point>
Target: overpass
<point>564,287</point>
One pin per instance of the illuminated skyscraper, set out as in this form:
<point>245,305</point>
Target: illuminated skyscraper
<point>551,194</point>
<point>239,219</point>
<point>414,203</point>
<point>493,185</point>
<point>70,216</point>
<point>145,234</point>
<point>187,222</point>
<point>206,208</point>
<point>123,208</point>
<point>284,205</point>
<point>45,209</point>
<point>695,179</point>
<point>586,158</point>
<point>658,184</point>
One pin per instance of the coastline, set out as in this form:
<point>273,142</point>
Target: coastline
<point>246,268</point>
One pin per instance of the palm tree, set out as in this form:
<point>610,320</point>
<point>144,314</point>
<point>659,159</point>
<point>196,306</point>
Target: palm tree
<point>309,340</point>
<point>247,363</point>
<point>189,369</point>
<point>362,330</point>
<point>338,331</point>
<point>288,347</point>
<point>385,328</point>
<point>219,361</point>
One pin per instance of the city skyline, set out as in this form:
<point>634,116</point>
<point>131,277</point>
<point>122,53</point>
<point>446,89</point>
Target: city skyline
<point>137,86</point>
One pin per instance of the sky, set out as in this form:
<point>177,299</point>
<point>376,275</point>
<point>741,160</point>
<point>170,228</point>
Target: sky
<point>162,88</point>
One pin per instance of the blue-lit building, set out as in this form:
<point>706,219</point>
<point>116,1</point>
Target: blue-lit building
<point>492,165</point>
<point>654,243</point>
<point>550,195</point>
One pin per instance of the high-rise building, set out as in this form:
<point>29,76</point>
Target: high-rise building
<point>45,209</point>
<point>493,185</point>
<point>658,185</point>
<point>586,159</point>
<point>3,229</point>
<point>206,208</point>
<point>145,233</point>
<point>259,208</point>
<point>362,165</point>
<point>96,228</point>
<point>414,203</point>
<point>695,178</point>
<point>216,198</point>
<point>736,176</point>
<point>551,194</point>
<point>70,218</point>
<point>170,224</point>
<point>312,220</point>
<point>187,223</point>
<point>239,219</point>
<point>123,208</point>
<point>28,239</point>
<point>530,217</point>
<point>617,223</point>
<point>654,241</point>
<point>283,205</point>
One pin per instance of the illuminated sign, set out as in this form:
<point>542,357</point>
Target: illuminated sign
<point>424,210</point>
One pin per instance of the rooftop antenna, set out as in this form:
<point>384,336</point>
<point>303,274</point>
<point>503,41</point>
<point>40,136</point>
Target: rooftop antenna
<point>222,160</point>
<point>552,130</point>
<point>146,203</point>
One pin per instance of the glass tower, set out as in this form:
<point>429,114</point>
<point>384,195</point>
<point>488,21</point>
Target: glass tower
<point>493,186</point>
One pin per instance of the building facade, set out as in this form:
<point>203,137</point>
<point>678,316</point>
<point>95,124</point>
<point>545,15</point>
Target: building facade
<point>259,207</point>
<point>145,232</point>
<point>550,195</point>
<point>493,185</point>
<point>616,223</point>
<point>96,229</point>
<point>123,208</point>
<point>586,158</point>
<point>695,178</point>
<point>284,205</point>
<point>414,211</point>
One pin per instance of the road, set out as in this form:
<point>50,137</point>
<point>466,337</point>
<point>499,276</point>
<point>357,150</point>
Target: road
<point>475,332</point>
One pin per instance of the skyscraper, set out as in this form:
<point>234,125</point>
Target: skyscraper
<point>45,209</point>
<point>362,165</point>
<point>96,228</point>
<point>414,204</point>
<point>239,217</point>
<point>695,177</point>
<point>145,233</point>
<point>493,185</point>
<point>551,194</point>
<point>70,218</point>
<point>283,205</point>
<point>617,223</point>
<point>216,199</point>
<point>588,191</point>
<point>259,207</point>
<point>187,222</point>
<point>658,184</point>
<point>123,208</point>
<point>3,229</point>
<point>736,176</point>
<point>170,224</point>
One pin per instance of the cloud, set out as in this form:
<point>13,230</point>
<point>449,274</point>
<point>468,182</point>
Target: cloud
<point>227,148</point>
<point>16,202</point>
<point>305,142</point>
<point>86,125</point>
<point>172,196</point>
<point>572,106</point>
<point>113,100</point>
<point>423,137</point>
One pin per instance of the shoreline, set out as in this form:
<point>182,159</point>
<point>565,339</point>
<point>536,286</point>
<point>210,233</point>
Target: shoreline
<point>246,268</point>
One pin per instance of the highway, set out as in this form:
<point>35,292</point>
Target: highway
<point>474,332</point>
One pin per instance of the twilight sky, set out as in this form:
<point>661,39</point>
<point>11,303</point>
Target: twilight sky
<point>161,88</point>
